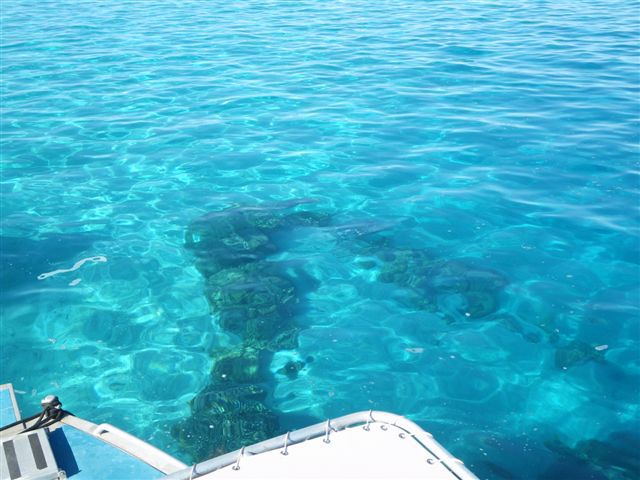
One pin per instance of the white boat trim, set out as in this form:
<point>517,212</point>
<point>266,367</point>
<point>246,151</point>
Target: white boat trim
<point>435,461</point>
<point>372,445</point>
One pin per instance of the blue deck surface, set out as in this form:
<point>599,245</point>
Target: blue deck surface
<point>7,413</point>
<point>84,457</point>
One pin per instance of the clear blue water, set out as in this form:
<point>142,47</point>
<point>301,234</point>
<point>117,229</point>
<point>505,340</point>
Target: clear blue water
<point>497,138</point>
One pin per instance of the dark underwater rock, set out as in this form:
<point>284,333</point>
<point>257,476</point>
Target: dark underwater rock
<point>368,235</point>
<point>406,267</point>
<point>237,236</point>
<point>284,340</point>
<point>469,277</point>
<point>366,264</point>
<point>291,368</point>
<point>480,303</point>
<point>225,420</point>
<point>615,457</point>
<point>221,398</point>
<point>257,289</point>
<point>429,279</point>
<point>415,299</point>
<point>245,364</point>
<point>418,269</point>
<point>617,454</point>
<point>576,353</point>
<point>516,325</point>
<point>252,301</point>
<point>306,219</point>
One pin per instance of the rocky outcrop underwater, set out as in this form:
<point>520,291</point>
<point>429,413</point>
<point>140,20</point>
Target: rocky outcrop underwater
<point>613,457</point>
<point>473,292</point>
<point>256,298</point>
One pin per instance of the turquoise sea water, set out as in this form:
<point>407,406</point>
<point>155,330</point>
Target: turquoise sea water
<point>485,153</point>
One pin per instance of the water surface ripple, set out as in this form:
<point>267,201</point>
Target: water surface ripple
<point>492,147</point>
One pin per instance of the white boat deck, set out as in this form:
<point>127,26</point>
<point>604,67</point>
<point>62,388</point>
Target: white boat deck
<point>364,445</point>
<point>351,453</point>
<point>368,445</point>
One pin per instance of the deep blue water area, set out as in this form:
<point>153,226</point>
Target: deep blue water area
<point>455,187</point>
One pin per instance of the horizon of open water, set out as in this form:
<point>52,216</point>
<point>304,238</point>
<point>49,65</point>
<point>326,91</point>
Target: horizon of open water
<point>479,165</point>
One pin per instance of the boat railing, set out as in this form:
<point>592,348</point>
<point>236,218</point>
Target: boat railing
<point>284,442</point>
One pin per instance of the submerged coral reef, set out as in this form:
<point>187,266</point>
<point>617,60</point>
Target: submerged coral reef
<point>254,299</point>
<point>577,353</point>
<point>436,284</point>
<point>611,457</point>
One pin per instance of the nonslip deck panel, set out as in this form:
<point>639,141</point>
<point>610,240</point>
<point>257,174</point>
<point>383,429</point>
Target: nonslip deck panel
<point>28,456</point>
<point>11,459</point>
<point>85,457</point>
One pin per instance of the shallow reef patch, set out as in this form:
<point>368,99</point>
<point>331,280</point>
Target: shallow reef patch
<point>458,288</point>
<point>255,299</point>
